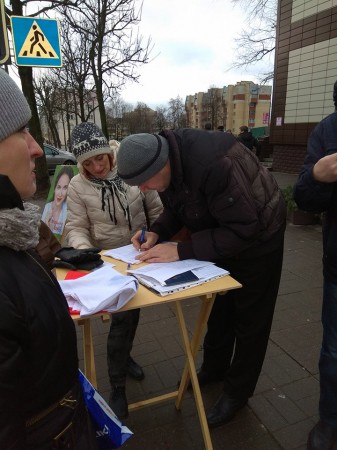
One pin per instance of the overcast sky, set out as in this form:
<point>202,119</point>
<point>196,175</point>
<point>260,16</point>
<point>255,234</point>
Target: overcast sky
<point>194,41</point>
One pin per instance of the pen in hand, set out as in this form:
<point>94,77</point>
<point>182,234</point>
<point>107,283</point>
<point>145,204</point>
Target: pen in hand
<point>142,237</point>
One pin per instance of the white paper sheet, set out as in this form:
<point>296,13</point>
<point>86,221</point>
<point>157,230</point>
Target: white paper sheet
<point>204,270</point>
<point>162,271</point>
<point>127,253</point>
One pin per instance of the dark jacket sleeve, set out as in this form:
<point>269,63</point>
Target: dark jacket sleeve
<point>309,194</point>
<point>12,331</point>
<point>48,245</point>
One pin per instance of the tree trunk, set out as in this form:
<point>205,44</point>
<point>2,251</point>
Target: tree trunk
<point>42,177</point>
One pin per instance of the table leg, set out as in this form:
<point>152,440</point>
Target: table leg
<point>191,350</point>
<point>205,310</point>
<point>89,358</point>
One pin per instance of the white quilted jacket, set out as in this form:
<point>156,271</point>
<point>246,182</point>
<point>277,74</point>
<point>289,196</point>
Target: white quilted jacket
<point>89,226</point>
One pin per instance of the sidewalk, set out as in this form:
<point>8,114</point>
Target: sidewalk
<point>285,404</point>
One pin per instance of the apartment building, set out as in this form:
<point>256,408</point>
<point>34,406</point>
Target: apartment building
<point>244,103</point>
<point>305,71</point>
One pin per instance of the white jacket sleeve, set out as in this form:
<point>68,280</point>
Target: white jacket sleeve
<point>76,232</point>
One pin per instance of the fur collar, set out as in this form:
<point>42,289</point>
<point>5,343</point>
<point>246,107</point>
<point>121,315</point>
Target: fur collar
<point>19,229</point>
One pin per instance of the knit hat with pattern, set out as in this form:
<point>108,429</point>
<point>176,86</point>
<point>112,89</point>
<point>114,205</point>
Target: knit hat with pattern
<point>14,109</point>
<point>88,140</point>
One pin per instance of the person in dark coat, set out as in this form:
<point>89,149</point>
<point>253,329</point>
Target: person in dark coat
<point>249,140</point>
<point>316,190</point>
<point>41,401</point>
<point>234,210</point>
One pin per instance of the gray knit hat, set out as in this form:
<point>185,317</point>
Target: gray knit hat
<point>140,157</point>
<point>88,140</point>
<point>14,109</point>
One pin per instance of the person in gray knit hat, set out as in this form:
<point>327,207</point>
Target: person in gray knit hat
<point>38,344</point>
<point>236,216</point>
<point>142,156</point>
<point>14,109</point>
<point>104,211</point>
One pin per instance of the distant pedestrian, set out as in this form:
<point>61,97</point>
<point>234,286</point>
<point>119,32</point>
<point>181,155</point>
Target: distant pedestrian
<point>246,137</point>
<point>221,128</point>
<point>316,190</point>
<point>208,126</point>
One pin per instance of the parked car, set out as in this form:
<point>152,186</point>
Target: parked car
<point>55,156</point>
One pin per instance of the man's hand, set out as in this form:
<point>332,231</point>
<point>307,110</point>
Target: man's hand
<point>150,240</point>
<point>160,253</point>
<point>325,170</point>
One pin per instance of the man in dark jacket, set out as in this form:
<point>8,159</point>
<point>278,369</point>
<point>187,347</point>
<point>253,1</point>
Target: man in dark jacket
<point>316,190</point>
<point>233,208</point>
<point>249,140</point>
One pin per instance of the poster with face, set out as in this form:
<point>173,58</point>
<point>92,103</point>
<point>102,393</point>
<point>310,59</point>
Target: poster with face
<point>55,210</point>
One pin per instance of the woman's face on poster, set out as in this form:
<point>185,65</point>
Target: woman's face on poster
<point>61,189</point>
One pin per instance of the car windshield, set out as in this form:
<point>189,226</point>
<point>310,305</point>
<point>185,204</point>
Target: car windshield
<point>50,150</point>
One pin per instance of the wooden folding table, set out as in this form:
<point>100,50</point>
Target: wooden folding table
<point>144,298</point>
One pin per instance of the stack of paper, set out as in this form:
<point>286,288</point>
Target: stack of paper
<point>127,253</point>
<point>166,278</point>
<point>103,289</point>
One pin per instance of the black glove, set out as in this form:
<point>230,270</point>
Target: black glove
<point>90,265</point>
<point>85,259</point>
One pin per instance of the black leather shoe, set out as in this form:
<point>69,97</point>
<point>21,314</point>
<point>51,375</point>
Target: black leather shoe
<point>224,410</point>
<point>118,402</point>
<point>134,370</point>
<point>322,437</point>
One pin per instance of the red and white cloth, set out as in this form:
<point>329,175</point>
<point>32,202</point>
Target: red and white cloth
<point>104,289</point>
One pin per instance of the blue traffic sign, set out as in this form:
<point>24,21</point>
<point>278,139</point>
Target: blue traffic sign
<point>36,42</point>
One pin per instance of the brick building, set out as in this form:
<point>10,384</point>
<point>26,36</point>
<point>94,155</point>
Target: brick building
<point>305,71</point>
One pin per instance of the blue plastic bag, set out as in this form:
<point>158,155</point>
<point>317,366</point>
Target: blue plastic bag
<point>110,432</point>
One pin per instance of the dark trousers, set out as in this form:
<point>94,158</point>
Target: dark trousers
<point>239,325</point>
<point>120,340</point>
<point>328,357</point>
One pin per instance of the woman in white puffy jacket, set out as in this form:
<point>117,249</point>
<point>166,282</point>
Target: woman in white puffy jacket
<point>104,212</point>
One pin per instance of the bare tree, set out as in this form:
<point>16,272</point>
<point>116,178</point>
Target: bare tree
<point>161,118</point>
<point>116,111</point>
<point>114,51</point>
<point>214,107</point>
<point>140,120</point>
<point>176,113</point>
<point>47,100</point>
<point>257,42</point>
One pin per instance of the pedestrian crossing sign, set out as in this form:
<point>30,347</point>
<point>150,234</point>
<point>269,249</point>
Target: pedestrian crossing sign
<point>36,42</point>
